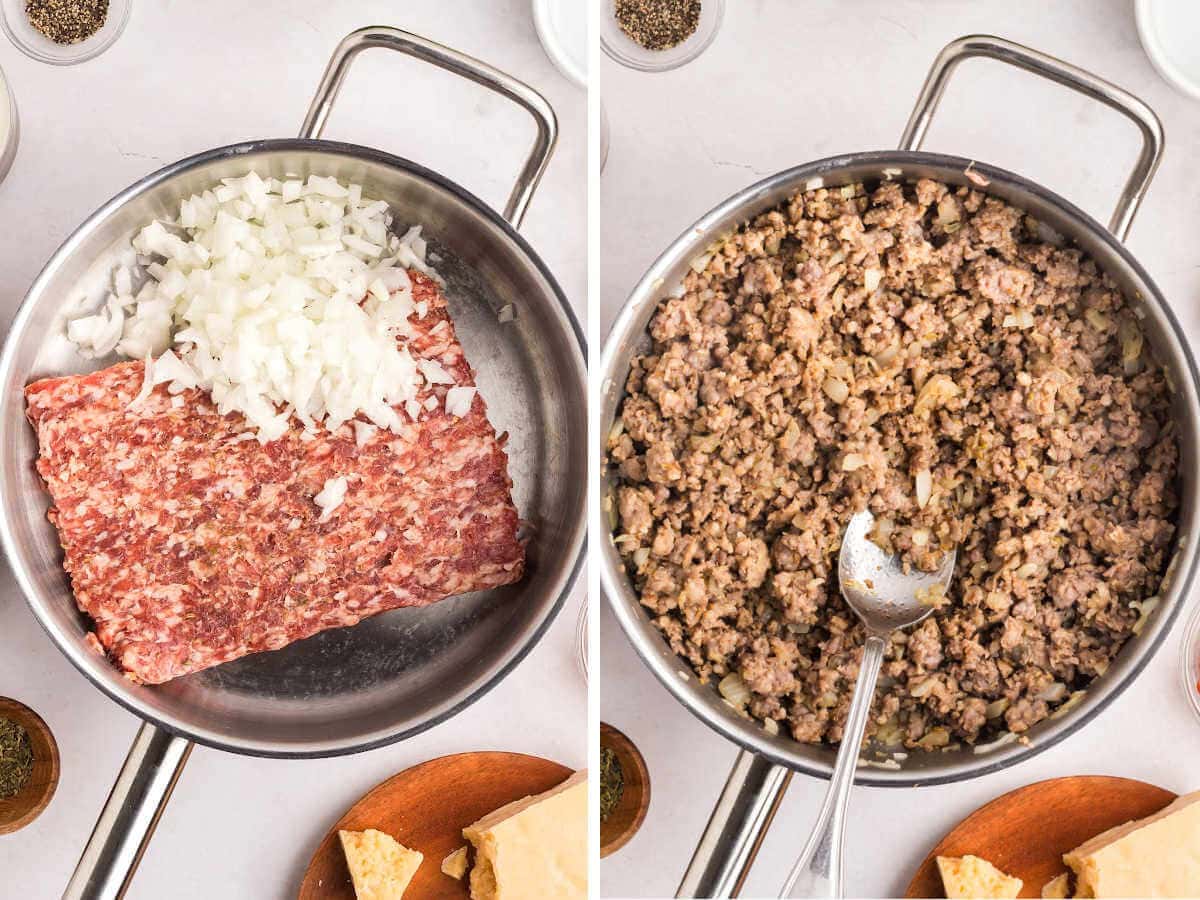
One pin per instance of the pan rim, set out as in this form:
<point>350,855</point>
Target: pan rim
<point>575,549</point>
<point>617,588</point>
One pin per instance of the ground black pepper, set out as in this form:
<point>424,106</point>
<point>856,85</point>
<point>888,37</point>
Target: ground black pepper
<point>67,21</point>
<point>612,782</point>
<point>658,24</point>
<point>16,758</point>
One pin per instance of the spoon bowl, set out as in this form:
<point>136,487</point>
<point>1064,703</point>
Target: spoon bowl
<point>882,590</point>
<point>886,594</point>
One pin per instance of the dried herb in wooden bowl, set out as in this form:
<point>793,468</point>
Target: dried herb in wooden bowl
<point>16,758</point>
<point>612,782</point>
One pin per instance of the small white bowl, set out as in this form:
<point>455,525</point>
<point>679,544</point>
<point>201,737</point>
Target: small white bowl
<point>36,45</point>
<point>562,27</point>
<point>618,45</point>
<point>1170,33</point>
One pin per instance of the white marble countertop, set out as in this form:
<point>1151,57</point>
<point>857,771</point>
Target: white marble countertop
<point>186,77</point>
<point>780,87</point>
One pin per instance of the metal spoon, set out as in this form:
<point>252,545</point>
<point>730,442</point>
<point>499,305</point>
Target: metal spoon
<point>885,598</point>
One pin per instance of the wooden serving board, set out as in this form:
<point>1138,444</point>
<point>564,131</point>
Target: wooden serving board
<point>1026,832</point>
<point>426,808</point>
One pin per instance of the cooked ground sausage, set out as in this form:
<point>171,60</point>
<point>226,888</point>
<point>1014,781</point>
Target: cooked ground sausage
<point>924,352</point>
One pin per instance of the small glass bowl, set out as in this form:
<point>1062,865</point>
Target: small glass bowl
<point>36,45</point>
<point>10,133</point>
<point>581,640</point>
<point>605,138</point>
<point>1191,661</point>
<point>618,45</point>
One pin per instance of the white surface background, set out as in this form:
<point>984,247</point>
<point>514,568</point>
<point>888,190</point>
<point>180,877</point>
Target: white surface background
<point>185,77</point>
<point>789,82</point>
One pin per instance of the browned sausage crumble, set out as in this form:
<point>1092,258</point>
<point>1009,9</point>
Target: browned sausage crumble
<point>919,350</point>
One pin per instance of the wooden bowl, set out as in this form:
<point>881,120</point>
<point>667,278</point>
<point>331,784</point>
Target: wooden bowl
<point>1026,832</point>
<point>17,812</point>
<point>426,808</point>
<point>624,821</point>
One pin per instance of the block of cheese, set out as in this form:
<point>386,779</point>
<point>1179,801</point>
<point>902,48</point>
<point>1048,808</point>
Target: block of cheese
<point>533,848</point>
<point>971,877</point>
<point>455,865</point>
<point>380,866</point>
<point>1057,888</point>
<point>1158,856</point>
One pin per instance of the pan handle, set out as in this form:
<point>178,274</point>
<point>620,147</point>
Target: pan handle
<point>1065,74</point>
<point>736,828</point>
<point>460,64</point>
<point>130,815</point>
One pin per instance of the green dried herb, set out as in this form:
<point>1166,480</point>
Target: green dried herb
<point>67,21</point>
<point>612,782</point>
<point>16,758</point>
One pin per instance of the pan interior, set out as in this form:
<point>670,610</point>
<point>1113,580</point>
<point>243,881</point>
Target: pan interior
<point>400,672</point>
<point>628,338</point>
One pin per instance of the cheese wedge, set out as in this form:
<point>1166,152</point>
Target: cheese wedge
<point>1057,888</point>
<point>1158,856</point>
<point>533,848</point>
<point>972,878</point>
<point>455,865</point>
<point>380,867</point>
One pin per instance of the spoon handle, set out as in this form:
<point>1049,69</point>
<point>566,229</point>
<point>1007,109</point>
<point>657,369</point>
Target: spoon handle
<point>818,872</point>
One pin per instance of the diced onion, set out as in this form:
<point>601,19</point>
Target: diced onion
<point>1144,608</point>
<point>278,299</point>
<point>98,335</point>
<point>1131,345</point>
<point>1052,693</point>
<point>836,389</point>
<point>434,372</point>
<point>934,738</point>
<point>887,356</point>
<point>1097,319</point>
<point>884,526</point>
<point>936,391</point>
<point>976,178</point>
<point>853,461</point>
<point>363,432</point>
<point>1022,318</point>
<point>924,486</point>
<point>923,688</point>
<point>147,383</point>
<point>734,690</point>
<point>331,496</point>
<point>459,400</point>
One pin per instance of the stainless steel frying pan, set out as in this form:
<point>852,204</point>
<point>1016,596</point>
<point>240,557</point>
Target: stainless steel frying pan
<point>763,769</point>
<point>400,673</point>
